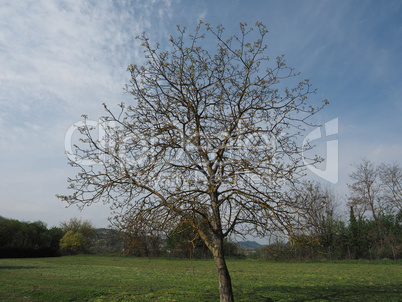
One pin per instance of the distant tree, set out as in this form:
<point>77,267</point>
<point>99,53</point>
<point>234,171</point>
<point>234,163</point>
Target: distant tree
<point>377,190</point>
<point>37,234</point>
<point>83,227</point>
<point>142,245</point>
<point>28,239</point>
<point>10,233</point>
<point>391,179</point>
<point>73,243</point>
<point>139,241</point>
<point>232,248</point>
<point>321,204</point>
<point>108,241</point>
<point>185,242</point>
<point>358,238</point>
<point>322,221</point>
<point>213,138</point>
<point>391,231</point>
<point>55,234</point>
<point>365,190</point>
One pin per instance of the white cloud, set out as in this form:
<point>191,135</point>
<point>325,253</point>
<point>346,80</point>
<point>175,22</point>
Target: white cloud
<point>74,52</point>
<point>66,58</point>
<point>61,59</point>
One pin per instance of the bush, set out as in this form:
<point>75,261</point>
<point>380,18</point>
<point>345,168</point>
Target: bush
<point>79,236</point>
<point>72,243</point>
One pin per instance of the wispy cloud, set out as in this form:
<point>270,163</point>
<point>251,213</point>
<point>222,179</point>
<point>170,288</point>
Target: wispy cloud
<point>65,58</point>
<point>61,59</point>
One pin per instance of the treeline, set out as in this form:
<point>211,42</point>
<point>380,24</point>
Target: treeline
<point>335,239</point>
<point>28,239</point>
<point>358,238</point>
<point>19,239</point>
<point>181,242</point>
<point>372,229</point>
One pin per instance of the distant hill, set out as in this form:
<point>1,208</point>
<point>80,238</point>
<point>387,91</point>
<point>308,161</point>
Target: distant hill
<point>250,244</point>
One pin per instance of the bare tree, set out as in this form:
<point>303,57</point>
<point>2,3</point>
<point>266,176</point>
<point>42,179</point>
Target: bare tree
<point>365,191</point>
<point>213,139</point>
<point>321,204</point>
<point>391,179</point>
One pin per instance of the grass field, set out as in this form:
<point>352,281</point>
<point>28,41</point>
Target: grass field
<point>96,278</point>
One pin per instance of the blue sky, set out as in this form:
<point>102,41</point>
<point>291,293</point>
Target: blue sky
<point>62,59</point>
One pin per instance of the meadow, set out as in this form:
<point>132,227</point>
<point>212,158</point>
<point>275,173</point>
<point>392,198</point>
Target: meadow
<point>108,278</point>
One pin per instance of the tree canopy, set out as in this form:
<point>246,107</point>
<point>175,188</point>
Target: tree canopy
<point>212,139</point>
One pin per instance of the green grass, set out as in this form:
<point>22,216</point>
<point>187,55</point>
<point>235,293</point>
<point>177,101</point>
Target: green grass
<point>96,278</point>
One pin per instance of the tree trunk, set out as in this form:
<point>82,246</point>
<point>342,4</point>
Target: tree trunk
<point>225,283</point>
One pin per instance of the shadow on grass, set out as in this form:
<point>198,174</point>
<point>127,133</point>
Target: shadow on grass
<point>17,267</point>
<point>330,292</point>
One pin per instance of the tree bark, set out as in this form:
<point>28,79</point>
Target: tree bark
<point>225,283</point>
